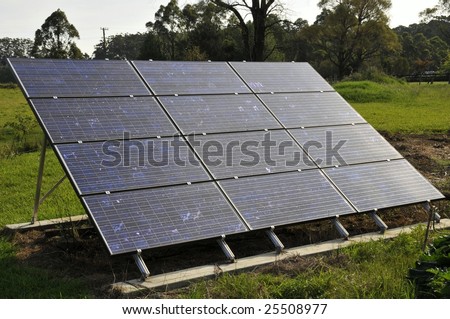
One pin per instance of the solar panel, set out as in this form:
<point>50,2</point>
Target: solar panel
<point>131,164</point>
<point>287,198</point>
<point>145,187</point>
<point>83,119</point>
<point>296,110</point>
<point>383,184</point>
<point>344,145</point>
<point>280,77</point>
<point>151,218</point>
<point>176,77</point>
<point>77,78</point>
<point>216,113</point>
<point>250,153</point>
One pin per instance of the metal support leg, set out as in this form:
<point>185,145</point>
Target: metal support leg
<point>39,181</point>
<point>275,240</point>
<point>226,249</point>
<point>380,223</point>
<point>427,208</point>
<point>141,264</point>
<point>340,228</point>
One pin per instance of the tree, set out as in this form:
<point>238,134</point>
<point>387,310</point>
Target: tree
<point>260,10</point>
<point>55,38</point>
<point>168,27</point>
<point>14,47</point>
<point>439,10</point>
<point>121,46</point>
<point>350,32</point>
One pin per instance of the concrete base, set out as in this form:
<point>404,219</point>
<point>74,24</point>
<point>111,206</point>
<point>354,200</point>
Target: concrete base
<point>46,223</point>
<point>184,277</point>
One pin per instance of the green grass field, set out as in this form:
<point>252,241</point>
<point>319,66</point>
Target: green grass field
<point>371,270</point>
<point>405,108</point>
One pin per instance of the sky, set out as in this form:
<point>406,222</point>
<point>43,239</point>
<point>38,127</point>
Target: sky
<point>21,18</point>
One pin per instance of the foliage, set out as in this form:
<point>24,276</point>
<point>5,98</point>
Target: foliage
<point>121,46</point>
<point>14,47</point>
<point>255,47</point>
<point>55,38</point>
<point>431,274</point>
<point>20,129</point>
<point>348,33</point>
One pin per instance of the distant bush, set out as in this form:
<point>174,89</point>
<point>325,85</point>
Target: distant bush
<point>364,91</point>
<point>373,74</point>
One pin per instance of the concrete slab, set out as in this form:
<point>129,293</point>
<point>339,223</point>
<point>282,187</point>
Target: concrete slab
<point>186,276</point>
<point>46,223</point>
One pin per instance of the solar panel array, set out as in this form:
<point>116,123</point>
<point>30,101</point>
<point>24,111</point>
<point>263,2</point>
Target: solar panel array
<point>164,152</point>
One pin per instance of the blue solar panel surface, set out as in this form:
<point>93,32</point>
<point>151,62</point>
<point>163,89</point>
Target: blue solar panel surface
<point>295,110</point>
<point>266,77</point>
<point>381,185</point>
<point>250,153</point>
<point>114,126</point>
<point>165,216</point>
<point>77,78</point>
<point>344,145</point>
<point>287,198</point>
<point>175,77</point>
<point>94,119</point>
<point>120,165</point>
<point>218,113</point>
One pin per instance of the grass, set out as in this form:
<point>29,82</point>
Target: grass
<point>374,270</point>
<point>401,107</point>
<point>23,282</point>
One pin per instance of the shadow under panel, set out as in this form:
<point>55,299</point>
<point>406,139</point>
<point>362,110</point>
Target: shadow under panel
<point>382,185</point>
<point>77,78</point>
<point>151,218</point>
<point>121,165</point>
<point>287,198</point>
<point>91,119</point>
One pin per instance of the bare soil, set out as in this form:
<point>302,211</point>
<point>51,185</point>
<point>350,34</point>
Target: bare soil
<point>76,250</point>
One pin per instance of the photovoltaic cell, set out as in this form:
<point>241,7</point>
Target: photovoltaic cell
<point>287,198</point>
<point>280,77</point>
<point>250,153</point>
<point>165,216</point>
<point>120,165</point>
<point>344,145</point>
<point>382,185</point>
<point>295,110</point>
<point>83,119</point>
<point>177,77</point>
<point>77,78</point>
<point>218,113</point>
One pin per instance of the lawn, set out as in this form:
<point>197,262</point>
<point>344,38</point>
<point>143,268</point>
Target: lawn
<point>401,107</point>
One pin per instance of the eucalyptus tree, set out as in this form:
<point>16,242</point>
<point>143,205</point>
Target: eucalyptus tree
<point>55,38</point>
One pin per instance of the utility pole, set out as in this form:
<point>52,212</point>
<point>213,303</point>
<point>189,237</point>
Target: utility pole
<point>104,40</point>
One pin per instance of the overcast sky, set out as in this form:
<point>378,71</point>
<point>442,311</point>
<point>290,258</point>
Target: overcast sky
<point>21,18</point>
